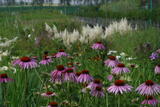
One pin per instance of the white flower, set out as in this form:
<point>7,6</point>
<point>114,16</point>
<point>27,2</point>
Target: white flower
<point>111,52</point>
<point>15,57</point>
<point>4,68</point>
<point>8,42</point>
<point>118,57</point>
<point>6,53</point>
<point>122,54</point>
<point>130,58</point>
<point>29,35</point>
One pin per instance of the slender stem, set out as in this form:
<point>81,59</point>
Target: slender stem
<point>27,85</point>
<point>118,101</point>
<point>3,87</point>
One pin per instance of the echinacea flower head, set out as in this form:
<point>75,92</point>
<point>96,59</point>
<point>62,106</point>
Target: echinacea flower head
<point>4,78</point>
<point>48,94</point>
<point>154,56</point>
<point>57,75</point>
<point>94,84</point>
<point>111,61</point>
<point>97,92</point>
<point>150,100</point>
<point>85,77</point>
<point>110,77</point>
<point>119,87</point>
<point>157,69</point>
<point>69,75</point>
<point>53,104</point>
<point>98,46</point>
<point>26,63</point>
<point>148,88</point>
<point>119,69</point>
<point>46,60</point>
<point>61,53</point>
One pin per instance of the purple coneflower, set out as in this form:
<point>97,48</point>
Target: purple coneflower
<point>110,77</point>
<point>46,60</point>
<point>120,69</point>
<point>26,63</point>
<point>97,92</point>
<point>119,87</point>
<point>111,62</point>
<point>150,100</point>
<point>157,69</point>
<point>77,75</point>
<point>69,75</point>
<point>154,56</point>
<point>61,53</point>
<point>98,46</point>
<point>48,94</point>
<point>53,104</point>
<point>57,75</point>
<point>94,84</point>
<point>85,77</point>
<point>148,88</point>
<point>4,78</point>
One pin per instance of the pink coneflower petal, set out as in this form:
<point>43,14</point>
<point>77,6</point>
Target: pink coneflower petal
<point>61,53</point>
<point>48,94</point>
<point>111,62</point>
<point>97,92</point>
<point>57,75</point>
<point>120,69</point>
<point>150,101</point>
<point>4,78</point>
<point>46,60</point>
<point>85,77</point>
<point>157,69</point>
<point>98,46</point>
<point>110,77</point>
<point>119,87</point>
<point>69,75</point>
<point>148,88</point>
<point>26,63</point>
<point>94,84</point>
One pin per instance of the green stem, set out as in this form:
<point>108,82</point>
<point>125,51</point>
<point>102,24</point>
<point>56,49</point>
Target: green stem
<point>118,101</point>
<point>3,87</point>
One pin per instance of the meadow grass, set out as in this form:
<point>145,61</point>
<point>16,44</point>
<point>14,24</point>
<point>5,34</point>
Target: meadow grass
<point>27,86</point>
